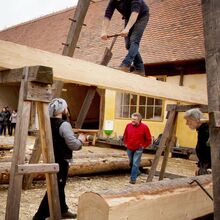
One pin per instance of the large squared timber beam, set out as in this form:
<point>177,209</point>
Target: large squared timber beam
<point>163,200</point>
<point>77,71</point>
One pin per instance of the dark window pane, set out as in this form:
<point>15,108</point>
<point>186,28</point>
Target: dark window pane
<point>150,101</point>
<point>133,99</point>
<point>149,112</point>
<point>158,112</point>
<point>142,111</point>
<point>158,101</point>
<point>132,110</point>
<point>126,99</point>
<point>125,113</point>
<point>142,100</point>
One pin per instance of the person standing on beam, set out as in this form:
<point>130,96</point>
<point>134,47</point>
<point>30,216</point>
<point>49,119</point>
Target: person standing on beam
<point>136,16</point>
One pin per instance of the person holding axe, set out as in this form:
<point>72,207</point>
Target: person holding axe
<point>136,16</point>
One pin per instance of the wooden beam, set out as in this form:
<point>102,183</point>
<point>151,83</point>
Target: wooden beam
<point>85,106</point>
<point>38,168</point>
<point>211,17</point>
<point>82,72</point>
<point>163,200</point>
<point>40,74</point>
<point>184,108</point>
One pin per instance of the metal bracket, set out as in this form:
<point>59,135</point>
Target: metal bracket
<point>200,185</point>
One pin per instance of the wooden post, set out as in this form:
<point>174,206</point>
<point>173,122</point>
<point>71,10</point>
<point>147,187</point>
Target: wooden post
<point>211,17</point>
<point>15,185</point>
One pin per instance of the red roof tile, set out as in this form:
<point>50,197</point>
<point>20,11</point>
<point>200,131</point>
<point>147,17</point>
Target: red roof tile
<point>174,33</point>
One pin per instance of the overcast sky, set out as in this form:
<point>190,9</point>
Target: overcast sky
<point>13,12</point>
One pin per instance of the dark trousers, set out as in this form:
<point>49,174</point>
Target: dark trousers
<point>43,210</point>
<point>132,42</point>
<point>12,128</point>
<point>3,129</point>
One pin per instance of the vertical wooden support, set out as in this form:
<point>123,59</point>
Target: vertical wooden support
<point>15,184</point>
<point>39,93</point>
<point>35,157</point>
<point>163,142</point>
<point>211,18</point>
<point>85,106</point>
<point>48,157</point>
<point>167,151</point>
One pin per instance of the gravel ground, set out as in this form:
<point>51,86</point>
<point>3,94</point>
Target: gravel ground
<point>77,185</point>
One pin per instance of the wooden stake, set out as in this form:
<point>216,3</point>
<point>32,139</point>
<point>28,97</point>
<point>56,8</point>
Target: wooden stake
<point>211,17</point>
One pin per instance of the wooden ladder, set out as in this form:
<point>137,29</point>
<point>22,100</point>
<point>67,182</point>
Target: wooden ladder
<point>166,143</point>
<point>35,87</point>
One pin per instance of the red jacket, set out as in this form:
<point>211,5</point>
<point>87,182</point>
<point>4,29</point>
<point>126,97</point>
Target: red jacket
<point>136,137</point>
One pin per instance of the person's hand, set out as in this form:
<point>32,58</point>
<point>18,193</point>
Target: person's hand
<point>124,33</point>
<point>82,137</point>
<point>104,36</point>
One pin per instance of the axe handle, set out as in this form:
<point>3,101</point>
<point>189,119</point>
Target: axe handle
<point>114,35</point>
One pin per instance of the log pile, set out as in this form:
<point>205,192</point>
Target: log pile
<point>87,163</point>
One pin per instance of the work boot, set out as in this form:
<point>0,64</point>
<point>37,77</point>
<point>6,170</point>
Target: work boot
<point>139,72</point>
<point>124,67</point>
<point>132,181</point>
<point>38,218</point>
<point>68,215</point>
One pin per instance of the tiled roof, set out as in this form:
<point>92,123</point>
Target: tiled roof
<point>174,33</point>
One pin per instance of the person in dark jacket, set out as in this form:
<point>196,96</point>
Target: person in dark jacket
<point>136,137</point>
<point>64,142</point>
<point>136,16</point>
<point>3,121</point>
<point>195,121</point>
<point>8,115</point>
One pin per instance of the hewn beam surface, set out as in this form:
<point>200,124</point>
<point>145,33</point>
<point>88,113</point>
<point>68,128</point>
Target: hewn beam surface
<point>82,72</point>
<point>163,200</point>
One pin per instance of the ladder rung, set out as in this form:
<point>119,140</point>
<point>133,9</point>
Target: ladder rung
<point>38,168</point>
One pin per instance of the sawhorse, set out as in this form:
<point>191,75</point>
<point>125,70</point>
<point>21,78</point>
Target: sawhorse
<point>35,87</point>
<point>168,139</point>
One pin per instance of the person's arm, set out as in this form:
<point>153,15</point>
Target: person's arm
<point>72,142</point>
<point>148,137</point>
<point>132,20</point>
<point>125,137</point>
<point>107,17</point>
<point>105,26</point>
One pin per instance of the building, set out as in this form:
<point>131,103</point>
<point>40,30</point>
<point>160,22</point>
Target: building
<point>172,50</point>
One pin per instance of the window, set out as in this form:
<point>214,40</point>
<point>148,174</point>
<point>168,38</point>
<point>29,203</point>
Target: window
<point>126,105</point>
<point>149,107</point>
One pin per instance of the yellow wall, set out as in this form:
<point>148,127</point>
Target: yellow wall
<point>185,136</point>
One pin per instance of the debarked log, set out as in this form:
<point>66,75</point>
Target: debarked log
<point>83,166</point>
<point>167,199</point>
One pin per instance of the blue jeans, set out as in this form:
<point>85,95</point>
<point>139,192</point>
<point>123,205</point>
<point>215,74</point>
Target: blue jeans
<point>134,161</point>
<point>132,42</point>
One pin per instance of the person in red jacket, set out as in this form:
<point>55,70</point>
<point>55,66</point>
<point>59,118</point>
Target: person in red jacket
<point>136,137</point>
